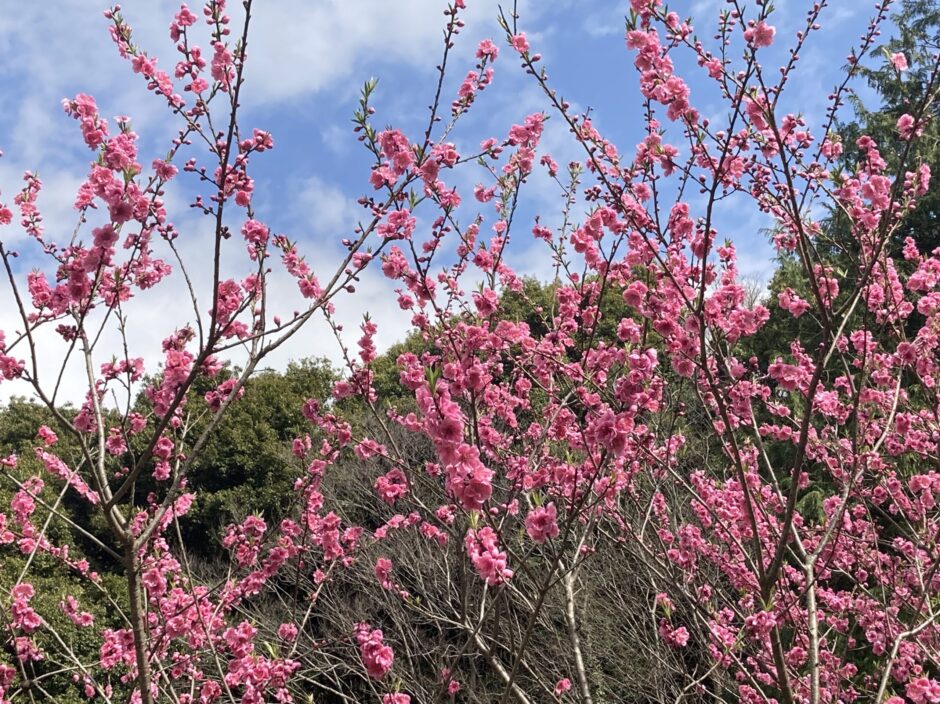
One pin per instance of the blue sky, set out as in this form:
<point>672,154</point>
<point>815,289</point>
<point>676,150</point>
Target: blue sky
<point>307,61</point>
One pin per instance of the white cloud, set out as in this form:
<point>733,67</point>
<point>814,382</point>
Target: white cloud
<point>302,47</point>
<point>606,21</point>
<point>322,208</point>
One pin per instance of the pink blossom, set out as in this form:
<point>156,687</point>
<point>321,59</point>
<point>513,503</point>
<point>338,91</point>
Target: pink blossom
<point>791,302</point>
<point>70,608</point>
<point>541,524</point>
<point>908,127</point>
<point>676,637</point>
<point>487,49</point>
<point>468,479</point>
<point>23,617</point>
<point>760,34</point>
<point>392,485</point>
<point>383,571</point>
<point>923,691</point>
<point>376,656</point>
<point>287,632</point>
<point>47,435</point>
<point>487,557</point>
<point>396,698</point>
<point>520,43</point>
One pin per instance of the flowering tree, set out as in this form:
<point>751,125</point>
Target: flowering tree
<point>755,532</point>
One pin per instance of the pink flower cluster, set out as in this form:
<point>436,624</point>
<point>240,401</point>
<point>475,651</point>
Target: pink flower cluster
<point>484,552</point>
<point>377,657</point>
